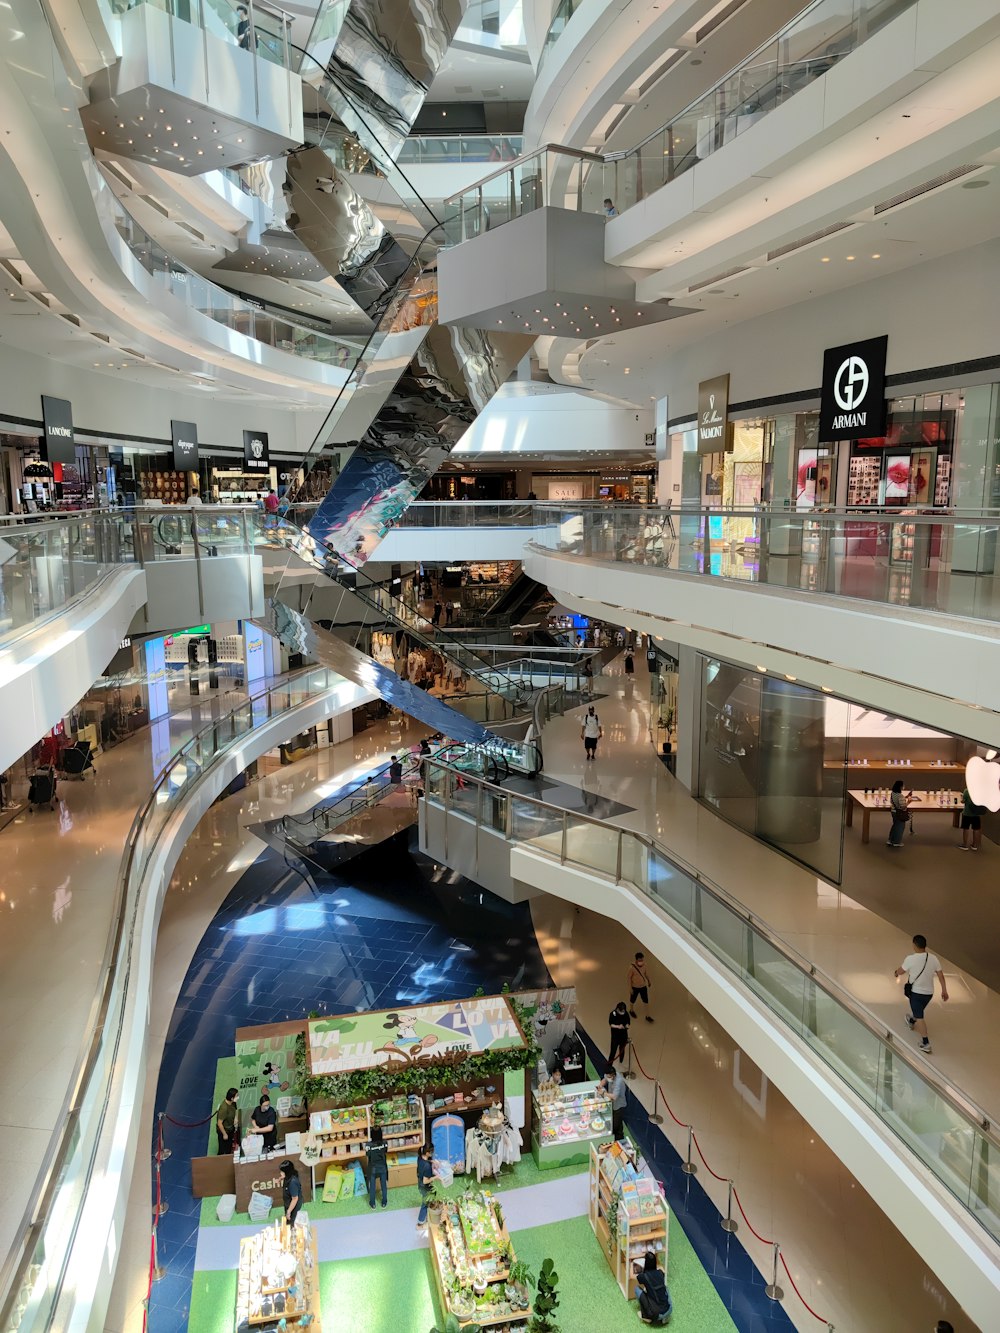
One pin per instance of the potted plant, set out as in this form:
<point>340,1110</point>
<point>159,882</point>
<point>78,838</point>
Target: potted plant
<point>451,1325</point>
<point>546,1299</point>
<point>521,1278</point>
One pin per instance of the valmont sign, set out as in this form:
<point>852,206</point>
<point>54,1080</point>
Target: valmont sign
<point>713,415</point>
<point>853,395</point>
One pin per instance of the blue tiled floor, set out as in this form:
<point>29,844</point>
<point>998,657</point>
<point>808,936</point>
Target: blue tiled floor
<point>393,929</point>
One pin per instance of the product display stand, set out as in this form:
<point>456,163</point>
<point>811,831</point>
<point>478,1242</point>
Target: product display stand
<point>566,1120</point>
<point>278,1278</point>
<point>627,1211</point>
<point>338,1137</point>
<point>472,1258</point>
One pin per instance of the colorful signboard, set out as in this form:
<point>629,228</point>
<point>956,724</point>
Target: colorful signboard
<point>425,1034</point>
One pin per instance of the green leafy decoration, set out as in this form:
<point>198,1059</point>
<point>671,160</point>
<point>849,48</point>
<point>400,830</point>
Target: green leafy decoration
<point>546,1300</point>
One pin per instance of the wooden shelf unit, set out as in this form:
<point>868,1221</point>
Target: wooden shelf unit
<point>251,1291</point>
<point>344,1139</point>
<point>627,1212</point>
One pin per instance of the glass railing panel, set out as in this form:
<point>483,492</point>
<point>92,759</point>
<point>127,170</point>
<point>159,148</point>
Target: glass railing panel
<point>592,844</point>
<point>843,1041</point>
<point>635,864</point>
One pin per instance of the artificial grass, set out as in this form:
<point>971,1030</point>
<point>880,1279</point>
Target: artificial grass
<point>517,1176</point>
<point>396,1293</point>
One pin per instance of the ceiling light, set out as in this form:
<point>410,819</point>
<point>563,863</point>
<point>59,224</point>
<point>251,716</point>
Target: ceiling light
<point>825,259</point>
<point>977,184</point>
<point>626,371</point>
<point>876,256</point>
<point>189,120</point>
<point>142,118</point>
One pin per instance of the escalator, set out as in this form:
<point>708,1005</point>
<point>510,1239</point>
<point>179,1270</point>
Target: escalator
<point>517,598</point>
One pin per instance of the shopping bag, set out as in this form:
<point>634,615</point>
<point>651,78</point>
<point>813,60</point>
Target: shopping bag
<point>444,1173</point>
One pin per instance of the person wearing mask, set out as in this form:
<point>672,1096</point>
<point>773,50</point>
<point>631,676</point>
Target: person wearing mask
<point>920,968</point>
<point>425,1174</point>
<point>638,980</point>
<point>264,1122</point>
<point>591,732</point>
<point>395,772</point>
<point>609,209</point>
<point>614,1084</point>
<point>655,1305</point>
<point>618,1021</point>
<point>225,1122</point>
<point>291,1192</point>
<point>898,805</point>
<point>378,1166</point>
<point>972,823</point>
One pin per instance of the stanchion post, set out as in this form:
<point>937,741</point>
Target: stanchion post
<point>772,1289</point>
<point>655,1118</point>
<point>630,1072</point>
<point>729,1223</point>
<point>164,1152</point>
<point>158,1269</point>
<point>689,1168</point>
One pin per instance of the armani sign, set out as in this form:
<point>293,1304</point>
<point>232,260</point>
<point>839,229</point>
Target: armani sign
<point>853,402</point>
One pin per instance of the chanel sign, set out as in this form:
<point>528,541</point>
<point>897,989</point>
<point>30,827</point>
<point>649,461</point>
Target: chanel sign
<point>256,451</point>
<point>853,397</point>
<point>713,415</point>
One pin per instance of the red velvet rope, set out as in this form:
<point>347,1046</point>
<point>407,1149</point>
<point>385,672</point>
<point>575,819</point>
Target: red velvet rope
<point>706,1165</point>
<point>799,1293</point>
<point>662,1094</point>
<point>186,1124</point>
<point>152,1238</point>
<point>747,1220</point>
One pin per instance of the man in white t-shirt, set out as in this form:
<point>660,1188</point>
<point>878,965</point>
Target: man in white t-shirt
<point>591,732</point>
<point>920,968</point>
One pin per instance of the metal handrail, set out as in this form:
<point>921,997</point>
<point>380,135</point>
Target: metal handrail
<point>961,1103</point>
<point>506,167</point>
<point>62,1143</point>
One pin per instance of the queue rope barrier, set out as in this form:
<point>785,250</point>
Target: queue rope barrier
<point>158,1211</point>
<point>185,1124</point>
<point>732,1190</point>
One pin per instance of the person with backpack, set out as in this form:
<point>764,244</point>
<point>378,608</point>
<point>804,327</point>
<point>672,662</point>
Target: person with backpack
<point>655,1305</point>
<point>972,823</point>
<point>591,732</point>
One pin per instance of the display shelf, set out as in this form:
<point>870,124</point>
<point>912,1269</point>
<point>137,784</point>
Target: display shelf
<point>628,1213</point>
<point>278,1277</point>
<point>566,1120</point>
<point>897,766</point>
<point>337,1137</point>
<point>472,1255</point>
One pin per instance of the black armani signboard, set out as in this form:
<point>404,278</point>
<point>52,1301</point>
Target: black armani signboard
<point>853,402</point>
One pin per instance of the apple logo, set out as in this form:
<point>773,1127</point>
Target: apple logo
<point>983,780</point>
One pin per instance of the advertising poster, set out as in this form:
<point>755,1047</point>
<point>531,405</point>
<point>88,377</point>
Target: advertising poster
<point>430,1033</point>
<point>59,440</point>
<point>922,463</point>
<point>265,1064</point>
<point>253,652</point>
<point>256,451</point>
<point>184,437</point>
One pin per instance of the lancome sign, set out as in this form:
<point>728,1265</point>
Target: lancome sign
<point>713,415</point>
<point>57,416</point>
<point>256,451</point>
<point>853,402</point>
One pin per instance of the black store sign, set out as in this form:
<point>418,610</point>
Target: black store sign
<point>256,451</point>
<point>185,437</point>
<point>853,403</point>
<point>57,415</point>
<point>713,416</point>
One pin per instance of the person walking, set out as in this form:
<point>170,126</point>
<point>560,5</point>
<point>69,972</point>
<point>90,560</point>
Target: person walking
<point>395,771</point>
<point>618,1021</point>
<point>638,980</point>
<point>920,968</point>
<point>629,663</point>
<point>425,1174</point>
<point>898,804</point>
<point>436,617</point>
<point>291,1192</point>
<point>591,732</point>
<point>378,1166</point>
<point>972,823</point>
<point>614,1083</point>
<point>449,611</point>
<point>588,678</point>
<point>225,1123</point>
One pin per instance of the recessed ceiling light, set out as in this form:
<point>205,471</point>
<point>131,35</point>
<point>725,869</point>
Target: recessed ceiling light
<point>849,258</point>
<point>876,256</point>
<point>977,184</point>
<point>825,259</point>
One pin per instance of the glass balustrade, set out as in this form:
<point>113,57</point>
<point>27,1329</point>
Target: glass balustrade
<point>935,1121</point>
<point>947,563</point>
<point>433,149</point>
<point>246,24</point>
<point>805,49</point>
<point>32,1274</point>
<point>564,11</point>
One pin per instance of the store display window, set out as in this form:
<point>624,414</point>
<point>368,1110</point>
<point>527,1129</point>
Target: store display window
<point>912,464</point>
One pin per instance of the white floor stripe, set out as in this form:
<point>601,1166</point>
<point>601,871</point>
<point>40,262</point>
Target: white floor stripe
<point>394,1230</point>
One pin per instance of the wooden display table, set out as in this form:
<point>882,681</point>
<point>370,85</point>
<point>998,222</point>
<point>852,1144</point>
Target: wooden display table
<point>921,802</point>
<point>448,1245</point>
<point>278,1278</point>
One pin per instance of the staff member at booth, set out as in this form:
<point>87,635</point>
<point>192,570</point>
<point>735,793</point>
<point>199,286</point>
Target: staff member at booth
<point>291,1192</point>
<point>225,1123</point>
<point>264,1122</point>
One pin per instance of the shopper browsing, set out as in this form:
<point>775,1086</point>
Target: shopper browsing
<point>898,804</point>
<point>378,1166</point>
<point>920,968</point>
<point>655,1305</point>
<point>425,1174</point>
<point>614,1084</point>
<point>291,1192</point>
<point>225,1122</point>
<point>638,980</point>
<point>618,1021</point>
<point>591,732</point>
<point>972,823</point>
<point>264,1121</point>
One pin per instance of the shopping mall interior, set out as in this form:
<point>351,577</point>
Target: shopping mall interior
<point>500,763</point>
